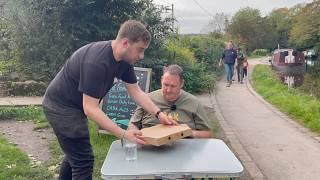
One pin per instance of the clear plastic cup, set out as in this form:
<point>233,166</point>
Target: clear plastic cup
<point>130,150</point>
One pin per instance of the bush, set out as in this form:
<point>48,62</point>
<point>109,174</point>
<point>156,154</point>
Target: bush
<point>260,52</point>
<point>27,88</point>
<point>197,78</point>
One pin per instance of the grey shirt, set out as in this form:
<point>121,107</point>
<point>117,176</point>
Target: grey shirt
<point>186,110</point>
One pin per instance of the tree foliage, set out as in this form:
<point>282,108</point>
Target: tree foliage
<point>305,32</point>
<point>280,21</point>
<point>46,32</point>
<point>250,30</point>
<point>297,27</point>
<point>197,76</point>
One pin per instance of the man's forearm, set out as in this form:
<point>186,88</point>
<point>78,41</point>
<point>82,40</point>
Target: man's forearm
<point>146,103</point>
<point>132,126</point>
<point>141,98</point>
<point>201,134</point>
<point>100,118</point>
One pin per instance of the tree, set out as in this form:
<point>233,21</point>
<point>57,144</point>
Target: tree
<point>305,32</point>
<point>281,22</point>
<point>246,27</point>
<point>47,32</point>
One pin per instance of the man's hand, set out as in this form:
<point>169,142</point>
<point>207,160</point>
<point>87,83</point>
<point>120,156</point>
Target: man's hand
<point>166,120</point>
<point>134,135</point>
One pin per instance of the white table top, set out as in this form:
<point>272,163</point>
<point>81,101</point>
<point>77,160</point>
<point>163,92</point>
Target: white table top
<point>185,158</point>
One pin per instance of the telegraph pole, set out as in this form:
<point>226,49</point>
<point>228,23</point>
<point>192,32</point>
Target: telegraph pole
<point>172,15</point>
<point>167,8</point>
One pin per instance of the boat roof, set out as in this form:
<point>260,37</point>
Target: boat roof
<point>282,50</point>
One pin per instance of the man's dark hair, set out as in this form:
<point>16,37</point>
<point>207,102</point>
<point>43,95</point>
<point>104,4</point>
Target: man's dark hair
<point>135,31</point>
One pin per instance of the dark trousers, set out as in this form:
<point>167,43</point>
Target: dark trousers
<point>240,73</point>
<point>78,161</point>
<point>245,72</point>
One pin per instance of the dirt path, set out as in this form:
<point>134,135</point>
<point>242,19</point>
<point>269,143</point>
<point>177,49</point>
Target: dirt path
<point>33,142</point>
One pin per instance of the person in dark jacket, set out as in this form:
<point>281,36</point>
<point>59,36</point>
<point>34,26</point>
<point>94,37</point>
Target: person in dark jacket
<point>228,57</point>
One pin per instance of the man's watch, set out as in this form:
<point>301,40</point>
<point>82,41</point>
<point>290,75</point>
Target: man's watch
<point>157,114</point>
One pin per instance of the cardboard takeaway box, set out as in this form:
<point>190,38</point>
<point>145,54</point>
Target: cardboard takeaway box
<point>164,134</point>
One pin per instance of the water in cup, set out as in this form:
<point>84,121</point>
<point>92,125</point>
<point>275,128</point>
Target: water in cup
<point>130,151</point>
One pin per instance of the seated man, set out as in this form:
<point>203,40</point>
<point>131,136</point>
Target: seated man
<point>176,103</point>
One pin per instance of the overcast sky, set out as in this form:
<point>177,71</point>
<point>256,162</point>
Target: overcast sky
<point>194,15</point>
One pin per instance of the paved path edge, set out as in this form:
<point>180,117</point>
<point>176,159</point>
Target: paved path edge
<point>249,165</point>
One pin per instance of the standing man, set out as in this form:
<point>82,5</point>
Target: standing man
<point>73,96</point>
<point>178,104</point>
<point>229,56</point>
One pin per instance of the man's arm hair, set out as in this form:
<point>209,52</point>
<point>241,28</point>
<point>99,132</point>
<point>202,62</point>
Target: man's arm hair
<point>202,134</point>
<point>136,118</point>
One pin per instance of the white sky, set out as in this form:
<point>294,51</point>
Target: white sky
<point>192,18</point>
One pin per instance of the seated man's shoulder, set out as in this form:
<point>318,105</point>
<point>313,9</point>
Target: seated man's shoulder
<point>190,97</point>
<point>155,93</point>
<point>156,96</point>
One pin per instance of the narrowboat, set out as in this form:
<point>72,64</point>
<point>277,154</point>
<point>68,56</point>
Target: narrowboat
<point>288,61</point>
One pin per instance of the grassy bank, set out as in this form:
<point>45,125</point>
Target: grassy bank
<point>301,107</point>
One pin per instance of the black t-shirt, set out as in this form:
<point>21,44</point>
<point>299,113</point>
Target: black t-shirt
<point>90,70</point>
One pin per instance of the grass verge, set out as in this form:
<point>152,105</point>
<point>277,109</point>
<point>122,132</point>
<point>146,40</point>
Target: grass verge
<point>25,113</point>
<point>18,165</point>
<point>15,164</point>
<point>301,107</point>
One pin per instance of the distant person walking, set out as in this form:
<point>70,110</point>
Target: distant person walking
<point>240,64</point>
<point>229,56</point>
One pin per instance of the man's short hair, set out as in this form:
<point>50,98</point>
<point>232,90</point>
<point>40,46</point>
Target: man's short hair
<point>174,69</point>
<point>135,31</point>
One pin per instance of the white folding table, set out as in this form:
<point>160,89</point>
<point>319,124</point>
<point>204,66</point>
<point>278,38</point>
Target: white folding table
<point>186,159</point>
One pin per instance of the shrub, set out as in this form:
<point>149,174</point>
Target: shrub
<point>197,78</point>
<point>27,88</point>
<point>260,52</point>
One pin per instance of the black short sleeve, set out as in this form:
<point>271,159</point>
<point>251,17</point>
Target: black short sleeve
<point>129,76</point>
<point>92,79</point>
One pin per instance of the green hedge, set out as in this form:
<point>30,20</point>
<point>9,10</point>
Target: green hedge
<point>260,52</point>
